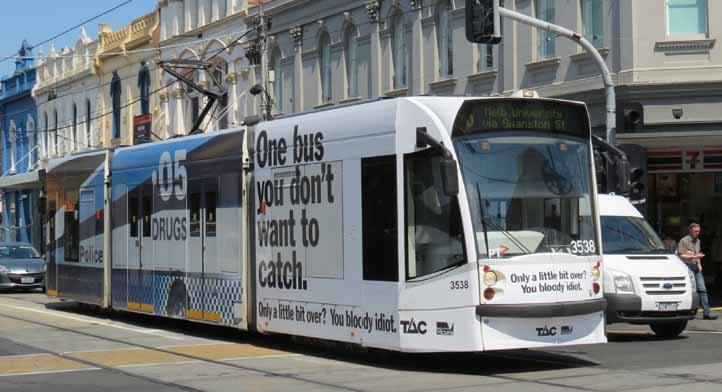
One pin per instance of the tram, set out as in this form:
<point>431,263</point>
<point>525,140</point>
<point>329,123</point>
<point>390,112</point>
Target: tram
<point>419,224</point>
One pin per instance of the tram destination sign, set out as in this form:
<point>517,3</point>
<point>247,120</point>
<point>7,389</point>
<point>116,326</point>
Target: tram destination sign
<point>518,114</point>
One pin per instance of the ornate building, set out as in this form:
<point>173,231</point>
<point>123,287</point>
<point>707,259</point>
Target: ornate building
<point>66,95</point>
<point>20,180</point>
<point>206,30</point>
<point>128,76</point>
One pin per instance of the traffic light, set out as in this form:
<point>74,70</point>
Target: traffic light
<point>482,21</point>
<point>636,183</point>
<point>637,172</point>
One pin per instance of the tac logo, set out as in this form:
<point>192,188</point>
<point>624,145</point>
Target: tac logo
<point>443,328</point>
<point>546,331</point>
<point>171,178</point>
<point>411,327</point>
<point>567,329</point>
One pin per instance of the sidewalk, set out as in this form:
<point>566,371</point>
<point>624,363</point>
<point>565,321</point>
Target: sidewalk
<point>715,302</point>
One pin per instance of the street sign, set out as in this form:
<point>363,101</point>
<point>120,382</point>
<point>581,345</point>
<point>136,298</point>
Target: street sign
<point>141,128</point>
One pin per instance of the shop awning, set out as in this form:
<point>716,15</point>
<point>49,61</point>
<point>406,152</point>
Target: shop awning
<point>28,180</point>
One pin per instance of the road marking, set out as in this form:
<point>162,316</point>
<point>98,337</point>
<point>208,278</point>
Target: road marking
<point>701,332</point>
<point>21,355</point>
<point>48,372</point>
<point>629,332</point>
<point>134,356</point>
<point>158,332</point>
<point>223,351</point>
<point>157,364</point>
<point>42,363</point>
<point>264,357</point>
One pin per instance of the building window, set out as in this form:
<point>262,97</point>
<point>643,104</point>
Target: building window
<point>33,139</point>
<point>87,123</point>
<point>55,132</point>
<point>192,110</point>
<point>486,58</point>
<point>219,72</point>
<point>593,22</point>
<point>687,17</point>
<point>544,10</point>
<point>399,52</point>
<point>144,88</point>
<point>12,136</point>
<point>445,39</point>
<point>46,149</point>
<point>324,61</point>
<point>277,79</point>
<point>351,62</point>
<point>75,127</point>
<point>115,93</point>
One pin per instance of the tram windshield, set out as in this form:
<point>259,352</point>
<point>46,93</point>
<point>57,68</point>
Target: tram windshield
<point>529,188</point>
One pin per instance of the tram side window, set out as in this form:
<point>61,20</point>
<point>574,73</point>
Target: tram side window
<point>147,211</point>
<point>210,214</point>
<point>434,231</point>
<point>379,214</point>
<point>133,216</point>
<point>72,236</point>
<point>194,202</point>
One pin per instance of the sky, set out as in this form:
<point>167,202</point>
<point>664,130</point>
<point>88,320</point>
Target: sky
<point>38,20</point>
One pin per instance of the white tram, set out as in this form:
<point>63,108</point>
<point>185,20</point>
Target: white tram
<point>411,224</point>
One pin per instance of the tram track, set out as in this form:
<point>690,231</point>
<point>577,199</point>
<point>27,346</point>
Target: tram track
<point>190,357</point>
<point>554,358</point>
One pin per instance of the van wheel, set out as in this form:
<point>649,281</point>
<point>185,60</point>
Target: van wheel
<point>668,330</point>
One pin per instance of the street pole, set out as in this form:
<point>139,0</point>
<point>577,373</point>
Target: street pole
<point>611,105</point>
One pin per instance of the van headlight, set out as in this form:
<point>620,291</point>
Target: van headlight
<point>622,282</point>
<point>692,281</point>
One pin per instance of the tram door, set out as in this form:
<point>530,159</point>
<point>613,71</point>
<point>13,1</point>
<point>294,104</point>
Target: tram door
<point>203,249</point>
<point>140,250</point>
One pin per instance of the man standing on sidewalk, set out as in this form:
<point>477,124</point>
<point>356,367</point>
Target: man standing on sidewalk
<point>689,250</point>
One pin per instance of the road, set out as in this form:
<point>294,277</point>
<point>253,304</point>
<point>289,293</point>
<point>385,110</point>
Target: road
<point>60,346</point>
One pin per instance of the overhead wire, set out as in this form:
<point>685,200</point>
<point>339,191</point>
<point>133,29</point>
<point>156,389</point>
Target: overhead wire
<point>434,4</point>
<point>58,35</point>
<point>56,130</point>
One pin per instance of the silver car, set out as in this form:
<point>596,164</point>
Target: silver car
<point>21,267</point>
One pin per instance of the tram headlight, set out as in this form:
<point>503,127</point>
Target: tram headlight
<point>622,282</point>
<point>596,273</point>
<point>490,278</point>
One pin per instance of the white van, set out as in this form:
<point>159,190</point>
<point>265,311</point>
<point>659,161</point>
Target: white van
<point>644,283</point>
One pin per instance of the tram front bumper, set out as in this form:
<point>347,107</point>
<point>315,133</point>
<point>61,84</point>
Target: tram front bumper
<point>514,326</point>
<point>561,309</point>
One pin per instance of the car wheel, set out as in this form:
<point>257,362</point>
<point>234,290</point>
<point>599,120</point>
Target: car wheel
<point>668,330</point>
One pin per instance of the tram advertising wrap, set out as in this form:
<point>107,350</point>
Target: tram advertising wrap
<point>418,224</point>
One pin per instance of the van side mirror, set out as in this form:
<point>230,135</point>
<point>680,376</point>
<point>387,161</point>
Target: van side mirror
<point>449,176</point>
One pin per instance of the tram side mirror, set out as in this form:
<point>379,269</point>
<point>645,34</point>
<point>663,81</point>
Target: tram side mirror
<point>449,176</point>
<point>447,164</point>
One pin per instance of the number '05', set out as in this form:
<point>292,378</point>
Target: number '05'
<point>171,178</point>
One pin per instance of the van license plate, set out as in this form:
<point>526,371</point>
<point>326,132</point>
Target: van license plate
<point>667,306</point>
<point>27,280</point>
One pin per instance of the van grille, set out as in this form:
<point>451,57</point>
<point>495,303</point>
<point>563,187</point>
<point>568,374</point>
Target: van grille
<point>664,286</point>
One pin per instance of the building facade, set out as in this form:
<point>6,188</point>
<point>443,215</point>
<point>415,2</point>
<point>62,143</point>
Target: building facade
<point>20,181</point>
<point>66,95</point>
<point>212,31</point>
<point>128,76</point>
<point>663,55</point>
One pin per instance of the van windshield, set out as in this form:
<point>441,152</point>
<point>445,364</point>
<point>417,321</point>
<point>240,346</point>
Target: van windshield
<point>629,235</point>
